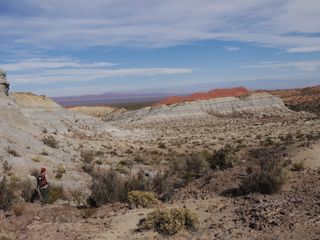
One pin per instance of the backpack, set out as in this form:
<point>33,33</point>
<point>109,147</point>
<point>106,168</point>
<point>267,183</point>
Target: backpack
<point>42,181</point>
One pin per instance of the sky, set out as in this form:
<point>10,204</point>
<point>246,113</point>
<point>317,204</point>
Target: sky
<point>76,47</point>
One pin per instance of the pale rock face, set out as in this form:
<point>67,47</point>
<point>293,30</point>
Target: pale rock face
<point>257,104</point>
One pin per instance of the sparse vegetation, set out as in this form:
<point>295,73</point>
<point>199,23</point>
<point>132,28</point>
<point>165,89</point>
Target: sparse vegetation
<point>7,195</point>
<point>55,192</point>
<point>87,156</point>
<point>223,158</point>
<point>189,168</point>
<point>60,171</point>
<point>144,199</point>
<point>297,166</point>
<point>169,222</point>
<point>265,176</point>
<point>77,197</point>
<point>26,189</point>
<point>6,166</point>
<point>106,187</point>
<point>18,209</point>
<point>13,152</point>
<point>50,141</point>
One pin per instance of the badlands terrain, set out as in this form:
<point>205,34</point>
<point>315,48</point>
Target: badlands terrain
<point>236,164</point>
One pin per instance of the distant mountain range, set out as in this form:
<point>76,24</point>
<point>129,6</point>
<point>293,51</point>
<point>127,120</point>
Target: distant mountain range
<point>155,95</point>
<point>109,99</point>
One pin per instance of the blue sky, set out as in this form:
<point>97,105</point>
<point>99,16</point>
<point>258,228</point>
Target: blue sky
<point>75,47</point>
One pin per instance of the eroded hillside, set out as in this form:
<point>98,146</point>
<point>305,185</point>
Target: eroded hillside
<point>203,159</point>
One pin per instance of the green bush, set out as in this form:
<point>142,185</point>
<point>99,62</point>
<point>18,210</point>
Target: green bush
<point>144,199</point>
<point>169,222</point>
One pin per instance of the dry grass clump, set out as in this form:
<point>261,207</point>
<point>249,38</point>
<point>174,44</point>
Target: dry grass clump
<point>88,212</point>
<point>87,156</point>
<point>3,237</point>
<point>13,152</point>
<point>144,199</point>
<point>7,195</point>
<point>77,197</point>
<point>60,171</point>
<point>223,158</point>
<point>297,166</point>
<point>55,192</point>
<point>18,209</point>
<point>169,222</point>
<point>6,166</point>
<point>50,141</point>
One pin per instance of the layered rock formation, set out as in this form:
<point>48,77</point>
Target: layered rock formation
<point>217,93</point>
<point>260,104</point>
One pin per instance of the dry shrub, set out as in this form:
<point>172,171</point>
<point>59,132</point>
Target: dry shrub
<point>169,222</point>
<point>265,176</point>
<point>50,141</point>
<point>7,195</point>
<point>4,237</point>
<point>55,192</point>
<point>106,187</point>
<point>78,197</point>
<point>223,158</point>
<point>27,189</point>
<point>6,166</point>
<point>163,185</point>
<point>13,152</point>
<point>18,209</point>
<point>190,167</point>
<point>109,186</point>
<point>88,168</point>
<point>34,172</point>
<point>60,171</point>
<point>88,212</point>
<point>297,166</point>
<point>87,156</point>
<point>144,199</point>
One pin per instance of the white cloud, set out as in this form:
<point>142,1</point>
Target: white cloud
<point>232,48</point>
<point>52,70</point>
<point>306,66</point>
<point>292,25</point>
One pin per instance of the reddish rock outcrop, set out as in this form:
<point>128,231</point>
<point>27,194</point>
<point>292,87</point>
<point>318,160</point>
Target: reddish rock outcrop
<point>217,93</point>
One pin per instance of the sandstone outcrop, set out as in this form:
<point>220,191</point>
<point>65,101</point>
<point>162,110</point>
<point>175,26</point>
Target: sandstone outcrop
<point>260,104</point>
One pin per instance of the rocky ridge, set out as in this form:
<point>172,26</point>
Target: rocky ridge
<point>260,104</point>
<point>216,93</point>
